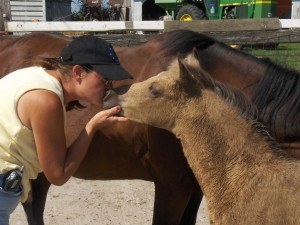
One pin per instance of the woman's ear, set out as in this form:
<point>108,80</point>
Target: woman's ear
<point>77,73</point>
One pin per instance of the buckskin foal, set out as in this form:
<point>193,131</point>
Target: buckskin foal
<point>244,175</point>
<point>144,153</point>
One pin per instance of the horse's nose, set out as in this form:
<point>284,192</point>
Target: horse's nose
<point>111,98</point>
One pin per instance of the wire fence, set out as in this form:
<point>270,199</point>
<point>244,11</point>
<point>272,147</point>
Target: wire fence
<point>284,54</point>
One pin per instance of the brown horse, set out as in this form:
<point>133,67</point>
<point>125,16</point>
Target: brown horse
<point>144,153</point>
<point>119,154</point>
<point>245,177</point>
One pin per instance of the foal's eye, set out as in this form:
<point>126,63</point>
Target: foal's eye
<point>153,92</point>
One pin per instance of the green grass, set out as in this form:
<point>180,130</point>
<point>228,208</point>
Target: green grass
<point>287,55</point>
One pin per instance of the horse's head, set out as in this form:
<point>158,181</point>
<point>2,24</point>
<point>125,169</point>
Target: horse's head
<point>158,100</point>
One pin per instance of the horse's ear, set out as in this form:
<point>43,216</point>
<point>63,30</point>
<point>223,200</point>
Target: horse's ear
<point>185,76</point>
<point>192,76</point>
<point>196,55</point>
<point>190,63</point>
<point>188,77</point>
<point>201,75</point>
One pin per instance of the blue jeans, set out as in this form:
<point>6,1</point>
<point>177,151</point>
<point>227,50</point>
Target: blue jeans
<point>8,202</point>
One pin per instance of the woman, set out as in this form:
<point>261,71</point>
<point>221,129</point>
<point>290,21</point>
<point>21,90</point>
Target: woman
<point>32,116</point>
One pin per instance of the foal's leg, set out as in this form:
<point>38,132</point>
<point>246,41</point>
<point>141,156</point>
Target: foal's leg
<point>35,209</point>
<point>175,199</point>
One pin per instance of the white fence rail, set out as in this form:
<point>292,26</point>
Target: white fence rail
<point>83,26</point>
<point>99,26</point>
<point>289,23</point>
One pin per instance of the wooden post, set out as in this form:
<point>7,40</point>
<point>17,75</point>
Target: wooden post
<point>136,10</point>
<point>4,10</point>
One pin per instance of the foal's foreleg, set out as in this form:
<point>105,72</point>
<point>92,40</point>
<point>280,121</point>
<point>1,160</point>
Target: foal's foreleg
<point>34,209</point>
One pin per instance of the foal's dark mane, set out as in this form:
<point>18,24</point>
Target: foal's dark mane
<point>278,91</point>
<point>245,108</point>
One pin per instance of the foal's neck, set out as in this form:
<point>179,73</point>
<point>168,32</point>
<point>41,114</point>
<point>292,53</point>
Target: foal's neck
<point>220,146</point>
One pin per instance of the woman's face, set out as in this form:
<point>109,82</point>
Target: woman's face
<point>93,87</point>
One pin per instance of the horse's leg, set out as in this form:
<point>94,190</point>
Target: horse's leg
<point>190,213</point>
<point>170,205</point>
<point>174,181</point>
<point>34,208</point>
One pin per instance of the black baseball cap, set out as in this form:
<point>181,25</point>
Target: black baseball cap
<point>97,53</point>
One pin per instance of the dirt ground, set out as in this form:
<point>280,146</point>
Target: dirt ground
<point>82,202</point>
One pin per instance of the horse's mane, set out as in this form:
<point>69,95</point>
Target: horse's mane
<point>246,109</point>
<point>182,41</point>
<point>225,49</point>
<point>279,90</point>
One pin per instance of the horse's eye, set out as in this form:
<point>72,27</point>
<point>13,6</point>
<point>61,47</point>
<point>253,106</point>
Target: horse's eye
<point>153,92</point>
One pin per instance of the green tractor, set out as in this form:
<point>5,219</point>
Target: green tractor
<point>187,10</point>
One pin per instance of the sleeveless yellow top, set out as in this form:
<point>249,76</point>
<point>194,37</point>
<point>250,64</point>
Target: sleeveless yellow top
<point>17,145</point>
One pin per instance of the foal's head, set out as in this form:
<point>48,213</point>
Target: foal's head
<point>158,100</point>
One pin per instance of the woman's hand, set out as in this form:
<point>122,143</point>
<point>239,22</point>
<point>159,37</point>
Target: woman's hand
<point>106,118</point>
<point>44,115</point>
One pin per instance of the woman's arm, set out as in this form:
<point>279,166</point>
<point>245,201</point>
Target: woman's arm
<point>42,111</point>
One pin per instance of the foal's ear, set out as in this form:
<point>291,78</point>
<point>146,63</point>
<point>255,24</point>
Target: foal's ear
<point>196,55</point>
<point>192,75</point>
<point>189,66</point>
<point>201,75</point>
<point>188,76</point>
